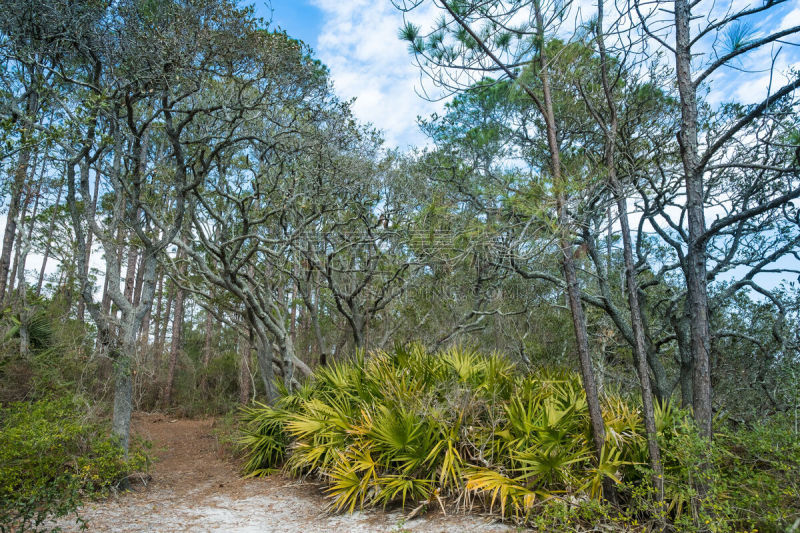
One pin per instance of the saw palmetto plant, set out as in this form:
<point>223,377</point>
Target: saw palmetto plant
<point>409,426</point>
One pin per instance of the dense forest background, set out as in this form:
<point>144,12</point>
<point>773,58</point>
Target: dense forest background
<point>194,220</point>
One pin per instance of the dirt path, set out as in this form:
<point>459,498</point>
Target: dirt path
<point>195,488</point>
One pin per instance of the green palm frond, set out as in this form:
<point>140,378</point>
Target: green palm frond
<point>407,425</point>
<point>263,438</point>
<point>397,487</point>
<point>551,465</point>
<point>608,468</point>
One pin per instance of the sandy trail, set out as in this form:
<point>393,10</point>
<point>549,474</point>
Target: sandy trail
<point>194,487</point>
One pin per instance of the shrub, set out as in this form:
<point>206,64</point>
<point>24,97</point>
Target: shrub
<point>414,428</point>
<point>417,429</point>
<point>51,458</point>
<point>750,478</point>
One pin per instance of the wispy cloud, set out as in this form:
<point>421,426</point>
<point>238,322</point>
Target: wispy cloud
<point>359,43</point>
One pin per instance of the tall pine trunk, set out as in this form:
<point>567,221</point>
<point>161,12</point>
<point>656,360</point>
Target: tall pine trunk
<point>695,269</point>
<point>637,324</point>
<point>20,174</point>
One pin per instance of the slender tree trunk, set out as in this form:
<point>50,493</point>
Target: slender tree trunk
<point>568,262</point>
<point>20,174</point>
<point>18,243</point>
<point>640,344</point>
<point>106,298</point>
<point>137,285</point>
<point>177,339</point>
<point>162,341</point>
<point>311,299</point>
<point>264,354</point>
<point>157,317</point>
<point>51,228</point>
<point>244,369</point>
<point>130,271</point>
<point>89,235</point>
<point>697,290</point>
<point>209,334</point>
<point>293,314</point>
<point>24,313</point>
<point>23,248</point>
<point>637,325</point>
<point>680,325</point>
<point>11,217</point>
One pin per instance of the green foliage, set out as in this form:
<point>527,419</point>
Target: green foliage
<point>40,330</point>
<point>51,457</point>
<point>411,427</point>
<point>751,477</point>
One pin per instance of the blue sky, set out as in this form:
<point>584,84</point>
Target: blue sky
<point>357,40</point>
<point>299,18</point>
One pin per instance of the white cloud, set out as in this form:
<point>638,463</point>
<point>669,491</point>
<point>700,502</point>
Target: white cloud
<point>791,19</point>
<point>359,43</point>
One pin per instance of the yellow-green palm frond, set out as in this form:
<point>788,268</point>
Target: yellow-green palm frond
<point>513,498</point>
<point>397,487</point>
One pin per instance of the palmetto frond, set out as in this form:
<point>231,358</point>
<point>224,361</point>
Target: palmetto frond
<point>408,425</point>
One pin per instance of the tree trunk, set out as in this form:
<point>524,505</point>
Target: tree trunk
<point>697,290</point>
<point>177,339</point>
<point>264,353</point>
<point>244,370</point>
<point>568,262</point>
<point>161,342</point>
<point>89,235</point>
<point>137,285</point>
<point>640,345</point>
<point>157,316</point>
<point>23,248</point>
<point>209,333</point>
<point>637,324</point>
<point>11,217</point>
<point>293,314</point>
<point>130,271</point>
<point>20,174</point>
<point>123,384</point>
<point>18,240</point>
<point>51,228</point>
<point>680,325</point>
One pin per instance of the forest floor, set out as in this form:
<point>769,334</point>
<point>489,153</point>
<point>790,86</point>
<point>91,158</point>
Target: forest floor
<point>195,486</point>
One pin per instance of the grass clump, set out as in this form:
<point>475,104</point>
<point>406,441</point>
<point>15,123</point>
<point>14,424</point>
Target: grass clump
<point>51,458</point>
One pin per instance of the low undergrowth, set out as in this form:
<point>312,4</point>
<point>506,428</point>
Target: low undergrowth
<point>457,427</point>
<point>466,430</point>
<point>52,457</point>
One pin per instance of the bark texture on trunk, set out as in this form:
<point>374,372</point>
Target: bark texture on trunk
<point>51,228</point>
<point>695,269</point>
<point>637,324</point>
<point>177,341</point>
<point>10,235</point>
<point>244,370</point>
